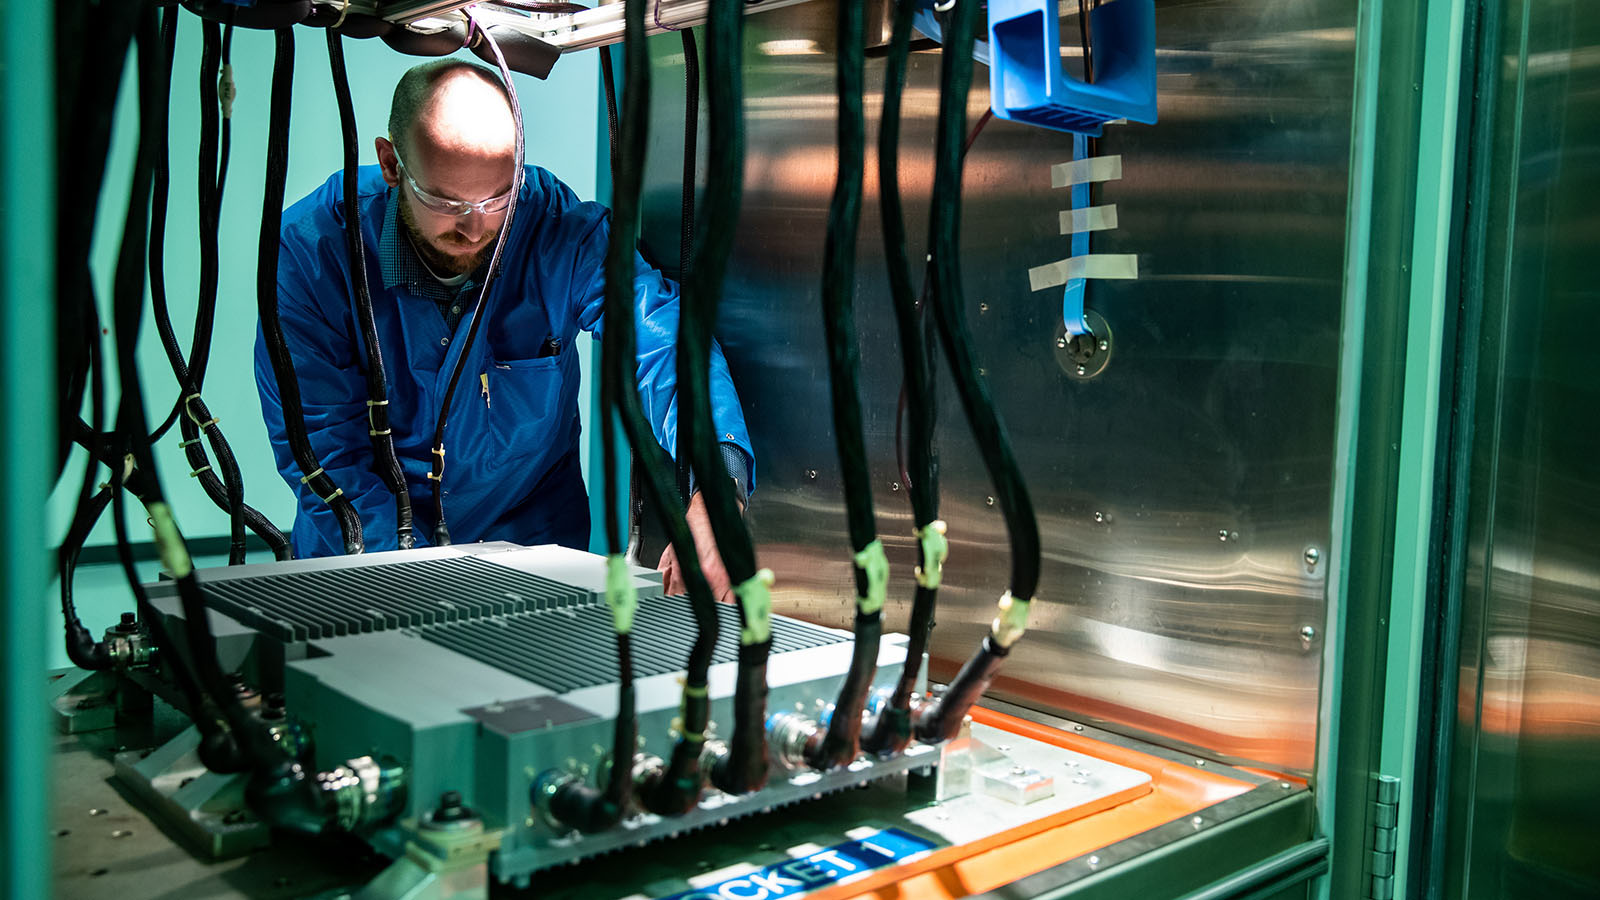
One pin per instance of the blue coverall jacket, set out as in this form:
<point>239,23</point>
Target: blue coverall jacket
<point>511,452</point>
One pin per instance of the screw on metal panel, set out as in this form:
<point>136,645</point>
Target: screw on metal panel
<point>1197,821</point>
<point>1200,762</point>
<point>811,474</point>
<point>1077,728</point>
<point>97,811</point>
<point>894,486</point>
<point>1308,633</point>
<point>121,833</point>
<point>1313,555</point>
<point>1094,860</point>
<point>528,822</point>
<point>983,307</point>
<point>1105,344</point>
<point>988,501</point>
<point>1061,343</point>
<point>1285,785</point>
<point>1099,516</point>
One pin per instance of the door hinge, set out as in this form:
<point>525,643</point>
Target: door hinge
<point>1384,796</point>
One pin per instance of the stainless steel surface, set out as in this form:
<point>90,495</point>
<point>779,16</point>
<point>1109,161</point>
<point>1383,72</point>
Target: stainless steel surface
<point>1178,490</point>
<point>1524,800</point>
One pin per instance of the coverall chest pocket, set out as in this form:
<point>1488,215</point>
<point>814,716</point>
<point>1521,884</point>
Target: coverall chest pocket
<point>522,399</point>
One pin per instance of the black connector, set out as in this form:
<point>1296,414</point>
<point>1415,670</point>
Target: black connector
<point>941,719</point>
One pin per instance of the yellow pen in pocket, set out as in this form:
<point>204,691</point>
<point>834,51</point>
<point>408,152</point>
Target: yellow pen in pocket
<point>484,380</point>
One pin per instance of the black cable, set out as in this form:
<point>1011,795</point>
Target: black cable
<point>691,152</point>
<point>283,372</point>
<point>891,730</point>
<point>385,461</point>
<point>608,82</point>
<point>940,720</point>
<point>744,769</point>
<point>674,788</point>
<point>840,744</point>
<point>441,531</point>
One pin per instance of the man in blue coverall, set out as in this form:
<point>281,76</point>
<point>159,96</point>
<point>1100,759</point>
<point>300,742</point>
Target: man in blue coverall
<point>430,213</point>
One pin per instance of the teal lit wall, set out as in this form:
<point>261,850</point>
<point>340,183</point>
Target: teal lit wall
<point>561,134</point>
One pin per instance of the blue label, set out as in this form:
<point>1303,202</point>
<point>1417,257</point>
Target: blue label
<point>820,869</point>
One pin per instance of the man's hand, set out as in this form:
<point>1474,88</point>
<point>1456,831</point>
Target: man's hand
<point>706,547</point>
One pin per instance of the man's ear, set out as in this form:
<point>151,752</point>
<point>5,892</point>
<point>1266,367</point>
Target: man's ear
<point>388,161</point>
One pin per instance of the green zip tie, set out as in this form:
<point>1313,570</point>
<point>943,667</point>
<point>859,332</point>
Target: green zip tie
<point>169,543</point>
<point>872,561</point>
<point>1011,621</point>
<point>755,595</point>
<point>621,593</point>
<point>935,550</point>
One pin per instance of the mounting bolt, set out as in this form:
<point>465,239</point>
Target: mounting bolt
<point>988,501</point>
<point>894,486</point>
<point>1099,516</point>
<point>1104,344</point>
<point>1061,343</point>
<point>1313,555</point>
<point>811,474</point>
<point>1308,633</point>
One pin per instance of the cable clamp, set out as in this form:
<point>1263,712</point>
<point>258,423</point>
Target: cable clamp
<point>196,472</point>
<point>755,598</point>
<point>306,479</point>
<point>1010,621</point>
<point>872,561</point>
<point>935,550</point>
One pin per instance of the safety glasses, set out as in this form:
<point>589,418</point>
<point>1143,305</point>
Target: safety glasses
<point>444,205</point>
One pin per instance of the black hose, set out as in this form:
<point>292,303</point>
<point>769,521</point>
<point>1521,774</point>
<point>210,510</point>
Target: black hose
<point>674,788</point>
<point>745,768</point>
<point>385,461</point>
<point>312,473</point>
<point>441,530</point>
<point>939,720</point>
<point>841,743</point>
<point>891,730</point>
<point>683,454</point>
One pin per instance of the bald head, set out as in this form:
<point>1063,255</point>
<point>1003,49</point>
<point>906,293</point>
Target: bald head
<point>454,107</point>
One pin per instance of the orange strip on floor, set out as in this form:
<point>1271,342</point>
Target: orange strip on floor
<point>1176,791</point>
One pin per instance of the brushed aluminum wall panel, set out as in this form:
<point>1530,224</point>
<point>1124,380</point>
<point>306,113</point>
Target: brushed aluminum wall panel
<point>1179,491</point>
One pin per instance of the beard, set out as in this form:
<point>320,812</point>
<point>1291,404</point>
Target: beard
<point>440,262</point>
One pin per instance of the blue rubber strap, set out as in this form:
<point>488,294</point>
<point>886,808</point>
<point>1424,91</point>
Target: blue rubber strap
<point>1072,298</point>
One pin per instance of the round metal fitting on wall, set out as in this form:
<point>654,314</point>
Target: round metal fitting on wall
<point>1085,356</point>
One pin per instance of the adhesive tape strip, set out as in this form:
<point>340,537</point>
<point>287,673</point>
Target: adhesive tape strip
<point>1093,218</point>
<point>1080,171</point>
<point>1094,265</point>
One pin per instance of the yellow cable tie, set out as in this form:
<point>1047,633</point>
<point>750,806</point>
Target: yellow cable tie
<point>702,691</point>
<point>371,403</point>
<point>169,542</point>
<point>935,550</point>
<point>433,477</point>
<point>333,496</point>
<point>196,472</point>
<point>755,596</point>
<point>371,433</point>
<point>306,479</point>
<point>344,9</point>
<point>622,596</point>
<point>1011,620</point>
<point>871,560</point>
<point>184,445</point>
<point>205,425</point>
<point>439,451</point>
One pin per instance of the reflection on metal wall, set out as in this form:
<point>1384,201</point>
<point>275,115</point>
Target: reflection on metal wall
<point>1524,814</point>
<point>1184,493</point>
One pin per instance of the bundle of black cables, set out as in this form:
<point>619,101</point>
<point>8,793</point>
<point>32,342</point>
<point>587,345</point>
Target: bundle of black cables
<point>891,729</point>
<point>840,744</point>
<point>941,720</point>
<point>744,768</point>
